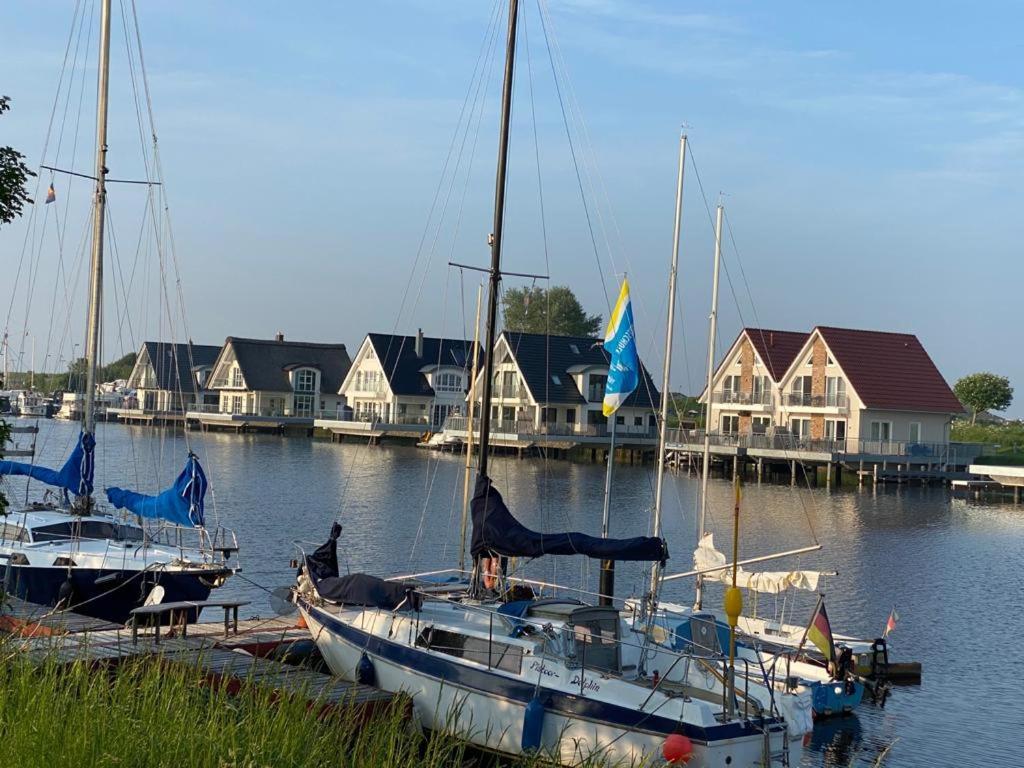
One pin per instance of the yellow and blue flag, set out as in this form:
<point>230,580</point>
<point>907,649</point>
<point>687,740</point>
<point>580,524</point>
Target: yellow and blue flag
<point>620,343</point>
<point>51,194</point>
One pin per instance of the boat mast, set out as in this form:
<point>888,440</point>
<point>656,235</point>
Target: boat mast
<point>494,284</point>
<point>466,492</point>
<point>495,239</point>
<point>706,459</point>
<point>92,335</point>
<point>666,375</point>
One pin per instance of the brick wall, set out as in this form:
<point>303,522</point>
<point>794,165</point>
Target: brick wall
<point>819,358</point>
<point>746,380</point>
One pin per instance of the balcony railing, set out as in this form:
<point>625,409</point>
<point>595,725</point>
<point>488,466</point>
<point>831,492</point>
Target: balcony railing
<point>807,400</point>
<point>528,427</point>
<point>729,396</point>
<point>955,453</point>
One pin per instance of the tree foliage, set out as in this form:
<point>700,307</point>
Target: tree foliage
<point>556,311</point>
<point>73,380</point>
<point>984,392</point>
<point>14,176</point>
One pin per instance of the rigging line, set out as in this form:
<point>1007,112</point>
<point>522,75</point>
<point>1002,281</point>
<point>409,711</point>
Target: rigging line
<point>707,425</point>
<point>61,231</point>
<point>572,151</point>
<point>483,57</point>
<point>589,160</point>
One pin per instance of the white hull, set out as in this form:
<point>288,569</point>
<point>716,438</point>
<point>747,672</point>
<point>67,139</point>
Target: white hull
<point>493,722</point>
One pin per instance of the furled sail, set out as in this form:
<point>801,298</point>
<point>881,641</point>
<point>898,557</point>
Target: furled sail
<point>356,588</point>
<point>75,476</point>
<point>706,557</point>
<point>497,532</point>
<point>181,504</point>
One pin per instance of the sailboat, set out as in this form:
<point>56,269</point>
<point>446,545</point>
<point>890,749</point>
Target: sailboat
<point>829,691</point>
<point>514,665</point>
<point>64,550</point>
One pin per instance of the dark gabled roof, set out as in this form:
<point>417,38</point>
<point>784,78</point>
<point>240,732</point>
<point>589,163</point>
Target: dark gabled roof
<point>174,363</point>
<point>397,356</point>
<point>890,371</point>
<point>540,356</point>
<point>776,348</point>
<point>265,363</point>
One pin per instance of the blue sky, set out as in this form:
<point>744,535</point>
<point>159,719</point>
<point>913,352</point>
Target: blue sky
<point>870,155</point>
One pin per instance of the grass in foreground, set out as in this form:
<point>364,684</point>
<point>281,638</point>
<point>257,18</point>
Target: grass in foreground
<point>154,715</point>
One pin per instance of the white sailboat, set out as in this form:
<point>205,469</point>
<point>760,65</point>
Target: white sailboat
<point>527,666</point>
<point>63,549</point>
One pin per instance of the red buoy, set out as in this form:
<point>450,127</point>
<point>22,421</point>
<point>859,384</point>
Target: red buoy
<point>677,749</point>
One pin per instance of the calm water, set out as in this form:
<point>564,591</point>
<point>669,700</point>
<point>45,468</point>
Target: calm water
<point>952,568</point>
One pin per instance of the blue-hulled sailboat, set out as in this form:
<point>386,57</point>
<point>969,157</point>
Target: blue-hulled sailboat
<point>63,550</point>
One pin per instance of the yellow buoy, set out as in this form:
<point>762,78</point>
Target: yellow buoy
<point>733,605</point>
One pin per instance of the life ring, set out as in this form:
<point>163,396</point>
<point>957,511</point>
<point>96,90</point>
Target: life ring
<point>489,568</point>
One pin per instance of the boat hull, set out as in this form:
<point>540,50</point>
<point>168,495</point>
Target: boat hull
<point>107,594</point>
<point>489,709</point>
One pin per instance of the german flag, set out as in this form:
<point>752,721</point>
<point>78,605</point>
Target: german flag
<point>820,633</point>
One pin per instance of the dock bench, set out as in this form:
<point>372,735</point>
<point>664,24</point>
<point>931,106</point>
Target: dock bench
<point>183,607</point>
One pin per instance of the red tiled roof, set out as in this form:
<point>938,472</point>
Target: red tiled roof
<point>776,348</point>
<point>890,371</point>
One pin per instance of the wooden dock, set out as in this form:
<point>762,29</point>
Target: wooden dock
<point>236,660</point>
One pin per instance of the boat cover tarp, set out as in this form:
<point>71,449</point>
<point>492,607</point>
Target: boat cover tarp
<point>496,532</point>
<point>181,504</point>
<point>356,588</point>
<point>75,476</point>
<point>705,557</point>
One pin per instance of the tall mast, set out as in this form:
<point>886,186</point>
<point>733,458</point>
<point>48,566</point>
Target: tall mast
<point>669,327</point>
<point>706,461</point>
<point>495,239</point>
<point>92,334</point>
<point>466,493</point>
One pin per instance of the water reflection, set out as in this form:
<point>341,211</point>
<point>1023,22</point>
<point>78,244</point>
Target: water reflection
<point>952,567</point>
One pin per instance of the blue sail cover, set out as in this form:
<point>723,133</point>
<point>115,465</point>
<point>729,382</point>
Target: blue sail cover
<point>181,504</point>
<point>497,532</point>
<point>75,476</point>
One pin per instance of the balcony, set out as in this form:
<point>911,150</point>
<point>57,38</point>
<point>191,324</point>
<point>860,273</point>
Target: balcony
<point>507,392</point>
<point>730,397</point>
<point>837,400</point>
<point>526,428</point>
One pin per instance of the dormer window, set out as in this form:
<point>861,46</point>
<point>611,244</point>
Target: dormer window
<point>448,382</point>
<point>305,380</point>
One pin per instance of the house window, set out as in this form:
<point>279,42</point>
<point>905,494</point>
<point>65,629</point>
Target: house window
<point>555,380</point>
<point>236,403</point>
<point>620,420</point>
<point>549,415</point>
<point>305,380</point>
<point>595,391</point>
<point>730,424</point>
<point>575,349</point>
<point>570,415</point>
<point>801,428</point>
<point>236,377</point>
<point>638,421</point>
<point>881,430</point>
<point>914,433</point>
<point>761,391</point>
<point>835,429</point>
<point>304,405</point>
<point>835,391</point>
<point>730,389</point>
<point>759,424</point>
<point>448,382</point>
<point>829,360</point>
<point>800,391</point>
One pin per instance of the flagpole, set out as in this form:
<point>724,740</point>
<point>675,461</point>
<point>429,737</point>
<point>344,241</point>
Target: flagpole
<point>607,583</point>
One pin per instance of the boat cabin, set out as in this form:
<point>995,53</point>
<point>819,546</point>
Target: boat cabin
<point>40,524</point>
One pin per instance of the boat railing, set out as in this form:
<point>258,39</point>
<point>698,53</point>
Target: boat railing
<point>209,541</point>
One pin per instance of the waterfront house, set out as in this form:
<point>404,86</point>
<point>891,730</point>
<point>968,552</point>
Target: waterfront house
<point>405,381</point>
<point>838,389</point>
<point>172,378</point>
<point>554,386</point>
<point>275,380</point>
